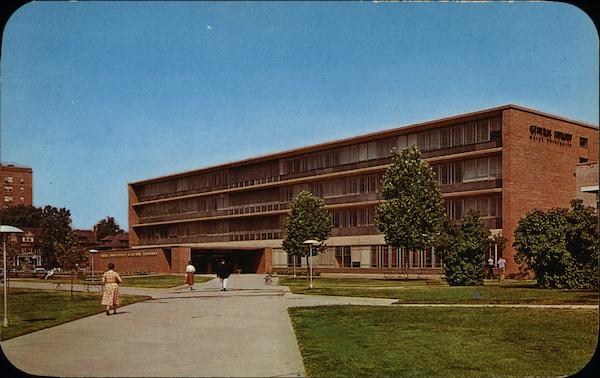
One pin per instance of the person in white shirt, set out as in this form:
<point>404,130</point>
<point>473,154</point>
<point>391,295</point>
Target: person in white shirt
<point>189,275</point>
<point>501,267</point>
<point>490,274</point>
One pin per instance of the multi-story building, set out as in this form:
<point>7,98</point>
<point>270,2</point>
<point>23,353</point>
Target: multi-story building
<point>17,183</point>
<point>502,162</point>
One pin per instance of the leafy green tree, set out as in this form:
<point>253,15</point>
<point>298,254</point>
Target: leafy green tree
<point>560,246</point>
<point>463,252</point>
<point>55,228</point>
<point>412,211</point>
<point>21,216</point>
<point>70,254</point>
<point>308,220</point>
<point>106,227</point>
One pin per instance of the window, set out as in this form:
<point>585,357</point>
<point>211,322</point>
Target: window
<point>469,133</point>
<point>457,136</point>
<point>372,150</point>
<point>8,189</point>
<point>483,131</point>
<point>22,199</point>
<point>8,180</point>
<point>363,152</point>
<point>583,160</point>
<point>483,168</point>
<point>434,139</point>
<point>583,142</point>
<point>21,189</point>
<point>8,199</point>
<point>423,141</point>
<point>402,143</point>
<point>469,172</point>
<point>496,128</point>
<point>343,256</point>
<point>22,180</point>
<point>445,137</point>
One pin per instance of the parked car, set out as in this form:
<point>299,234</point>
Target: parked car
<point>39,270</point>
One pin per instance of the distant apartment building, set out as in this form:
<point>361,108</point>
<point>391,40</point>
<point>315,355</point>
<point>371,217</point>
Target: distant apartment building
<point>502,162</point>
<point>17,184</point>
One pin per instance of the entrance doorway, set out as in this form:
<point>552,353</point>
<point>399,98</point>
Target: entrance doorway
<point>241,261</point>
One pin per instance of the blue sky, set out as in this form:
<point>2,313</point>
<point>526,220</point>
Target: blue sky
<point>98,94</point>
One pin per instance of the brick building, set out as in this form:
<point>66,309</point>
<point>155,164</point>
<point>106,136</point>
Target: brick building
<point>17,185</point>
<point>503,162</point>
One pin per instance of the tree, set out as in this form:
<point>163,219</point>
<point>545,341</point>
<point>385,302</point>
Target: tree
<point>55,227</point>
<point>411,212</point>
<point>22,216</point>
<point>106,227</point>
<point>308,219</point>
<point>462,249</point>
<point>560,246</point>
<point>70,254</point>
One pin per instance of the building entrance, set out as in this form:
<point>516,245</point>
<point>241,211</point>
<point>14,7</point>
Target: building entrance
<point>241,261</point>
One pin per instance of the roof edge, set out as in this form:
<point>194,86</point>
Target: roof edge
<point>361,136</point>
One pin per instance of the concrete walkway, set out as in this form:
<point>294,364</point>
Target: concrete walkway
<point>206,332</point>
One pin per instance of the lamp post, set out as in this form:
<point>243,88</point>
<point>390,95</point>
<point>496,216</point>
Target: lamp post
<point>5,229</point>
<point>92,251</point>
<point>310,245</point>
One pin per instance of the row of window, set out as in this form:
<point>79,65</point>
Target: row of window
<point>487,206</point>
<point>356,217</point>
<point>436,139</point>
<point>442,138</point>
<point>457,172</point>
<point>10,199</point>
<point>10,180</point>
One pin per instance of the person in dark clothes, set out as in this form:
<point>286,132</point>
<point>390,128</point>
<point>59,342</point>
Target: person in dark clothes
<point>223,272</point>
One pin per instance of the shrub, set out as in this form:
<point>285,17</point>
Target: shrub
<point>560,246</point>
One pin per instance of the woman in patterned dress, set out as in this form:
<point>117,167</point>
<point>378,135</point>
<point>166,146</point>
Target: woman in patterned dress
<point>111,281</point>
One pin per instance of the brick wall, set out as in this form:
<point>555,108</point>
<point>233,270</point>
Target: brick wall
<point>536,172</point>
<point>132,260</point>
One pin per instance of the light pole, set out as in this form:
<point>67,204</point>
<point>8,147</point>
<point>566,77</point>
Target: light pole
<point>310,245</point>
<point>92,251</point>
<point>5,229</point>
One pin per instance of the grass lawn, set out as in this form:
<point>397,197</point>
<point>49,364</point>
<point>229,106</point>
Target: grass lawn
<point>156,281</point>
<point>31,310</point>
<point>161,281</point>
<point>365,341</point>
<point>437,291</point>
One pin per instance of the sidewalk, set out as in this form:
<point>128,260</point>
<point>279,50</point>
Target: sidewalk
<point>206,332</point>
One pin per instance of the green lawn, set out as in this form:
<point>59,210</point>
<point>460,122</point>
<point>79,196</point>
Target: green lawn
<point>364,341</point>
<point>437,291</point>
<point>161,281</point>
<point>155,281</point>
<point>31,310</point>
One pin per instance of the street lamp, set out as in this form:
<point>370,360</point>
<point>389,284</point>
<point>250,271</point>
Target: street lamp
<point>5,229</point>
<point>92,251</point>
<point>310,245</point>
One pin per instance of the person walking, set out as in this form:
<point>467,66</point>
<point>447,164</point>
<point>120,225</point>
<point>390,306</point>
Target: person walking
<point>501,268</point>
<point>189,275</point>
<point>223,272</point>
<point>490,263</point>
<point>110,295</point>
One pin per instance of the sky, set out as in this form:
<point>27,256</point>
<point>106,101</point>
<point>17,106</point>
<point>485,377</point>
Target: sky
<point>95,95</point>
